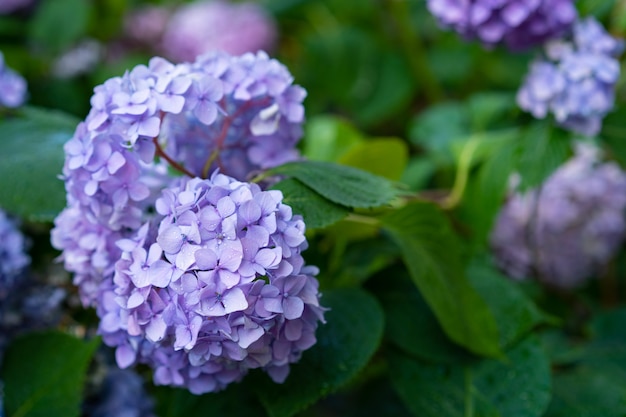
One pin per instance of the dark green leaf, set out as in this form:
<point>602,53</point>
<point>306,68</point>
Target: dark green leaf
<point>44,374</point>
<point>31,159</point>
<point>59,23</point>
<point>543,149</point>
<point>351,335</point>
<point>519,387</point>
<point>410,323</point>
<point>315,209</point>
<point>340,184</point>
<point>236,401</point>
<point>515,313</point>
<point>432,255</point>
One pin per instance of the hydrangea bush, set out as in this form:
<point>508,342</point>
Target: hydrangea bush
<point>400,208</point>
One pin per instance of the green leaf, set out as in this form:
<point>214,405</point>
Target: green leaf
<point>327,138</point>
<point>44,374</point>
<point>519,387</point>
<point>543,149</point>
<point>340,184</point>
<point>31,159</point>
<point>515,314</point>
<point>52,27</point>
<point>236,401</point>
<point>438,126</point>
<point>431,253</point>
<point>345,344</point>
<point>488,107</point>
<point>386,157</point>
<point>315,209</point>
<point>410,324</point>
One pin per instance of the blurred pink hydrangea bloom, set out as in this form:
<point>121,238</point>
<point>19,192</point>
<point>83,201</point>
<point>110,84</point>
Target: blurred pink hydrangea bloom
<point>204,26</point>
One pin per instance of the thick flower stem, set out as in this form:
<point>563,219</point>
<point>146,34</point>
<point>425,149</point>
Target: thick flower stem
<point>414,50</point>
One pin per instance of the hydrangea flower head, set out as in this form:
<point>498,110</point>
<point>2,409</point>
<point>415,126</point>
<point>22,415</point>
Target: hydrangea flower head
<point>575,80</point>
<point>10,6</point>
<point>208,25</point>
<point>518,24</point>
<point>195,273</point>
<point>238,114</point>
<point>565,231</point>
<point>220,290</point>
<point>12,86</point>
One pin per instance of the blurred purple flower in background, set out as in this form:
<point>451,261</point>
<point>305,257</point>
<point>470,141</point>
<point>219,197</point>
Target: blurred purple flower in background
<point>120,393</point>
<point>12,86</point>
<point>517,24</point>
<point>575,80</point>
<point>10,6</point>
<point>217,25</point>
<point>565,231</point>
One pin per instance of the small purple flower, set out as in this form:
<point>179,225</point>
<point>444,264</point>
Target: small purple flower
<point>13,256</point>
<point>12,86</point>
<point>219,287</point>
<point>518,24</point>
<point>218,25</point>
<point>120,394</point>
<point>566,230</point>
<point>576,79</point>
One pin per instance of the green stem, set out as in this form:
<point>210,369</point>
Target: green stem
<point>414,50</point>
<point>469,396</point>
<point>462,174</point>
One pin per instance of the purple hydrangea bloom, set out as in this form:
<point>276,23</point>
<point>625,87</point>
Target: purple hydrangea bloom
<point>565,231</point>
<point>518,24</point>
<point>204,26</point>
<point>12,86</point>
<point>575,81</point>
<point>238,114</point>
<point>221,289</point>
<point>203,280</point>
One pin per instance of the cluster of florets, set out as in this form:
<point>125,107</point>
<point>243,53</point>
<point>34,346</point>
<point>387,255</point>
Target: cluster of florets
<point>12,86</point>
<point>565,231</point>
<point>575,80</point>
<point>10,6</point>
<point>237,115</point>
<point>222,289</point>
<point>518,24</point>
<point>202,26</point>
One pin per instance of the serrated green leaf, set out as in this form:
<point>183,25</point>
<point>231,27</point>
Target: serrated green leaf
<point>386,157</point>
<point>345,344</point>
<point>519,387</point>
<point>31,159</point>
<point>431,253</point>
<point>340,184</point>
<point>515,314</point>
<point>44,374</point>
<point>315,209</point>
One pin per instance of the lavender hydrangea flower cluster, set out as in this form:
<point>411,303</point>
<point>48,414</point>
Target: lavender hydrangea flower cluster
<point>222,289</point>
<point>518,24</point>
<point>575,81</point>
<point>12,86</point>
<point>565,231</point>
<point>182,296</point>
<point>10,6</point>
<point>204,26</point>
